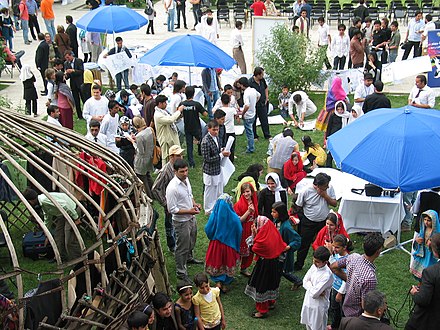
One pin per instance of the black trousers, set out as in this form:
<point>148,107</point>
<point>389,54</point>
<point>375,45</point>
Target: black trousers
<point>262,115</point>
<point>42,72</point>
<point>197,14</point>
<point>150,26</point>
<point>77,98</point>
<point>181,11</point>
<point>307,230</point>
<point>417,49</point>
<point>33,23</point>
<point>31,107</point>
<point>231,156</point>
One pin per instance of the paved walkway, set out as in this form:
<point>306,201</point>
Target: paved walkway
<point>14,91</point>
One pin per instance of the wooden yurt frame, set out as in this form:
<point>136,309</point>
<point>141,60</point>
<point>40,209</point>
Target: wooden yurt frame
<point>107,305</point>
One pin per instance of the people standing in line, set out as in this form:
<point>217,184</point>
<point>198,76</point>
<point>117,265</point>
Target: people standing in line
<point>237,47</point>
<point>258,82</point>
<point>181,11</point>
<point>150,18</point>
<point>183,207</point>
<point>250,97</point>
<point>159,192</point>
<point>340,47</point>
<point>33,18</point>
<point>421,96</point>
<point>360,274</point>
<point>414,36</point>
<point>324,40</point>
<point>143,159</point>
<point>74,69</point>
<point>212,153</point>
<point>46,8</point>
<point>314,201</point>
<point>124,74</point>
<point>65,100</point>
<point>29,91</point>
<point>7,26</point>
<point>24,18</point>
<point>42,60</point>
<point>71,30</point>
<point>377,100</point>
<point>170,9</point>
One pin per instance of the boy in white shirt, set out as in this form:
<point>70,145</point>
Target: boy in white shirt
<point>229,121</point>
<point>250,98</point>
<point>324,39</point>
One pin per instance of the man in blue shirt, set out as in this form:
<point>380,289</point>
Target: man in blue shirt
<point>33,20</point>
<point>414,36</point>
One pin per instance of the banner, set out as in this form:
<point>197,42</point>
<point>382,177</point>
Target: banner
<point>116,63</point>
<point>434,55</point>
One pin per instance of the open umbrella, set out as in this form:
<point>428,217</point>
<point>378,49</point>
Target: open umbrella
<point>111,19</point>
<point>392,148</point>
<point>188,50</point>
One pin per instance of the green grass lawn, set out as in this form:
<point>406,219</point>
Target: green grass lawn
<point>392,268</point>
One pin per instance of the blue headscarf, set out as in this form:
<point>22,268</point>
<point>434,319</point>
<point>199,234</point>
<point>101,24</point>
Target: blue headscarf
<point>224,224</point>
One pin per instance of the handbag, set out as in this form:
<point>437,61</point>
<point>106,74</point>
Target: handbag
<point>149,10</point>
<point>371,190</point>
<point>157,152</point>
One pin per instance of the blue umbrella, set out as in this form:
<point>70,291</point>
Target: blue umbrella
<point>111,19</point>
<point>392,148</point>
<point>188,50</point>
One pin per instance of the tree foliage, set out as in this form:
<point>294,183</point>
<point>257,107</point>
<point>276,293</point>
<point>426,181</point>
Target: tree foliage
<point>289,58</point>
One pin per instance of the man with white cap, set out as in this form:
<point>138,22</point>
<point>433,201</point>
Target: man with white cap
<point>159,191</point>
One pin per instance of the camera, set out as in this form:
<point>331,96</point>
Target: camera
<point>389,193</point>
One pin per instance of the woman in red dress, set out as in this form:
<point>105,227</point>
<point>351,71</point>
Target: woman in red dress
<point>333,226</point>
<point>293,171</point>
<point>247,210</point>
<point>224,233</point>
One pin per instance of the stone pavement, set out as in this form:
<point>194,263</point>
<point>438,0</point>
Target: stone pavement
<point>14,91</point>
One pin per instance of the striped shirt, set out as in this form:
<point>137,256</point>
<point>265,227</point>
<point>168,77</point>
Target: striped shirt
<point>361,279</point>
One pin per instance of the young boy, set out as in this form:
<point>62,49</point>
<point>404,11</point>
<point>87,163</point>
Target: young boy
<point>208,307</point>
<point>318,283</point>
<point>191,119</point>
<point>283,100</point>
<point>231,113</point>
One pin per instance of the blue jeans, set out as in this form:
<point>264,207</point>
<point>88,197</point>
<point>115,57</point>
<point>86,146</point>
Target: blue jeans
<point>189,136</point>
<point>210,100</point>
<point>25,28</point>
<point>392,57</point>
<point>122,76</point>
<point>249,134</point>
<point>170,20</point>
<point>50,26</point>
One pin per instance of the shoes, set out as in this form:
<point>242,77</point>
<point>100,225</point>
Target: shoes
<point>27,42</point>
<point>35,115</point>
<point>258,315</point>
<point>245,273</point>
<point>193,29</point>
<point>185,278</point>
<point>249,152</point>
<point>34,39</point>
<point>195,261</point>
<point>43,93</point>
<point>186,28</point>
<point>147,32</point>
<point>177,27</point>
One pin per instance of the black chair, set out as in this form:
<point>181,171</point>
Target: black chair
<point>400,13</point>
<point>332,15</point>
<point>411,11</point>
<point>345,15</point>
<point>373,12</point>
<point>239,15</point>
<point>316,13</point>
<point>223,15</point>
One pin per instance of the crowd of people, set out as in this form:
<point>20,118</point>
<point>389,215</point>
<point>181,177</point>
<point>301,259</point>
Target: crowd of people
<point>149,130</point>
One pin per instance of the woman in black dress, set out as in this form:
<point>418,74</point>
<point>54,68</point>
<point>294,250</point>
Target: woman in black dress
<point>273,193</point>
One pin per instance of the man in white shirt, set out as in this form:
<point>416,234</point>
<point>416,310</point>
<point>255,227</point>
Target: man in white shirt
<point>304,107</point>
<point>363,90</point>
<point>53,113</point>
<point>250,98</point>
<point>324,39</point>
<point>227,89</point>
<point>340,48</point>
<point>421,96</point>
<point>429,26</point>
<point>94,133</point>
<point>170,9</point>
<point>95,107</point>
<point>229,120</point>
<point>414,35</point>
<point>109,125</point>
<point>237,44</point>
<point>183,208</point>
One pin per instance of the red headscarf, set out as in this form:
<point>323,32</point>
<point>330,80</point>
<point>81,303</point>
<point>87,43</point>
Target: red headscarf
<point>340,229</point>
<point>242,205</point>
<point>268,242</point>
<point>291,170</point>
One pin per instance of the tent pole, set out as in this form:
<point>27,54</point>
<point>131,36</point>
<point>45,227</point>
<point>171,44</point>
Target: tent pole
<point>189,75</point>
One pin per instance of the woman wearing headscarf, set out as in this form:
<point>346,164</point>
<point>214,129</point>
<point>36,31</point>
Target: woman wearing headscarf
<point>355,113</point>
<point>267,243</point>
<point>333,226</point>
<point>336,93</point>
<point>224,233</point>
<point>29,92</point>
<point>247,209</point>
<point>337,120</point>
<point>293,171</point>
<point>274,192</point>
<point>422,256</point>
<point>65,100</point>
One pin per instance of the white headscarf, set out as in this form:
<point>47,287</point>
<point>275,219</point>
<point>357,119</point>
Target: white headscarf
<point>278,186</point>
<point>26,72</point>
<point>356,108</point>
<point>345,115</point>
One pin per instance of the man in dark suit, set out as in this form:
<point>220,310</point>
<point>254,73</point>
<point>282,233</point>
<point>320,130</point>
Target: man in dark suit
<point>426,297</point>
<point>74,69</point>
<point>376,100</point>
<point>72,33</point>
<point>374,305</point>
<point>212,154</point>
<point>42,60</point>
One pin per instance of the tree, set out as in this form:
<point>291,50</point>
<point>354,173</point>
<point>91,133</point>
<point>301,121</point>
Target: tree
<point>289,58</point>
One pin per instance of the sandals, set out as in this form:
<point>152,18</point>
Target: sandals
<point>258,315</point>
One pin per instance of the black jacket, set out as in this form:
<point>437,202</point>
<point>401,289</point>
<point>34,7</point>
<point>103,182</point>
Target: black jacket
<point>42,56</point>
<point>77,77</point>
<point>376,101</point>
<point>71,32</point>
